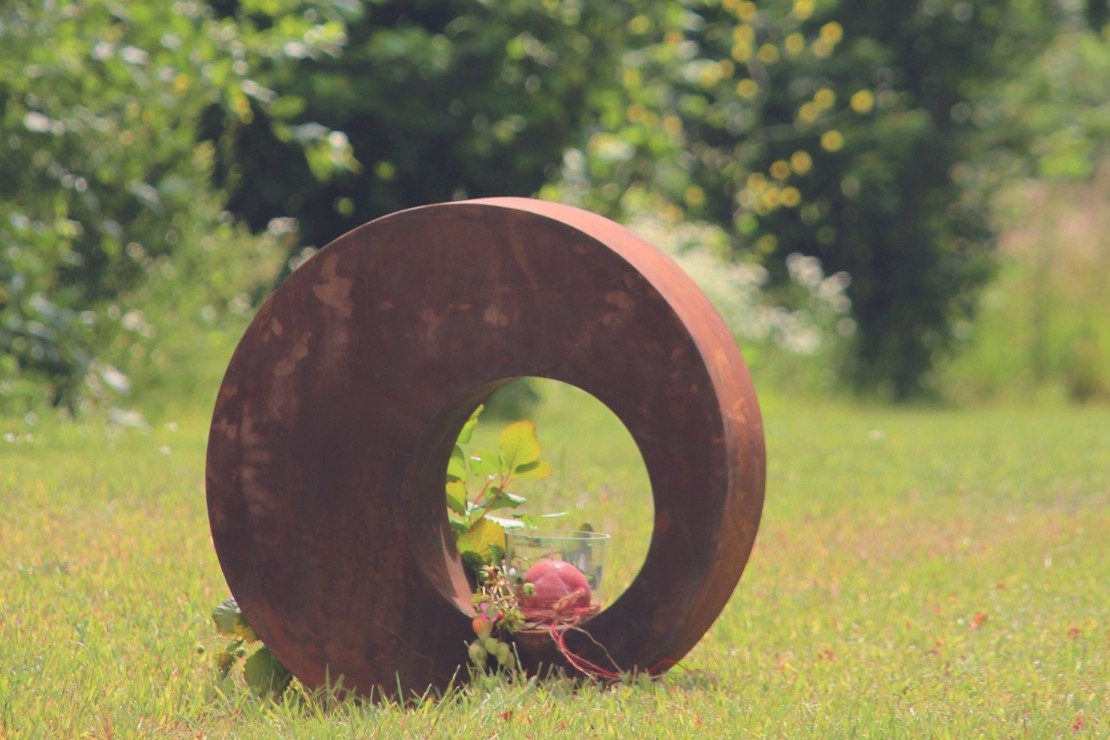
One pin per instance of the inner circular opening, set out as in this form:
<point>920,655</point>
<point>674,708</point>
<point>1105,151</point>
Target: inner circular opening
<point>593,507</point>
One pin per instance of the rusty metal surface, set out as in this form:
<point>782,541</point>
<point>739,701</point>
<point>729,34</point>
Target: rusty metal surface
<point>335,420</point>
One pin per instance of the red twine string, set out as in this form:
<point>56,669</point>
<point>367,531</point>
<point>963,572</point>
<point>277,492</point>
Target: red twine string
<point>561,620</point>
<point>580,664</point>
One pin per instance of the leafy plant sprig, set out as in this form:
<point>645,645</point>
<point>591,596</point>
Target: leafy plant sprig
<point>264,673</point>
<point>478,483</point>
<point>499,615</point>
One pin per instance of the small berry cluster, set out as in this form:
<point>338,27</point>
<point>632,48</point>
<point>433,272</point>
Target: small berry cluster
<point>499,615</point>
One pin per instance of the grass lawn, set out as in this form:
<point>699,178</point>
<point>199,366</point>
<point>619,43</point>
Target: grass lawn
<point>917,572</point>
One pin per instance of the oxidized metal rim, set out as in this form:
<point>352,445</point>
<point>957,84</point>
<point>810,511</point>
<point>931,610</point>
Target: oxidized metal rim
<point>336,417</point>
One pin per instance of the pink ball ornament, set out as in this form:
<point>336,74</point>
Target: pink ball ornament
<point>556,581</point>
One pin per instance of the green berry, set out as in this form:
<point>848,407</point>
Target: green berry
<point>477,653</point>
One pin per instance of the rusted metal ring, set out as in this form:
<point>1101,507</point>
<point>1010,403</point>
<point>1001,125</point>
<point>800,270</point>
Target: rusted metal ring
<point>334,423</point>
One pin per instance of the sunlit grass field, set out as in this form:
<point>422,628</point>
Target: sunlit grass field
<point>917,573</point>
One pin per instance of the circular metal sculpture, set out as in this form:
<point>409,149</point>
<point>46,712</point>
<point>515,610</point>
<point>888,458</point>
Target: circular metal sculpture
<point>335,421</point>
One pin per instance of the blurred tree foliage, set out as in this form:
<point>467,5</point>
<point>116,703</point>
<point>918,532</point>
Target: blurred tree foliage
<point>439,101</point>
<point>104,178</point>
<point>867,134</point>
<point>833,129</point>
<point>1052,121</point>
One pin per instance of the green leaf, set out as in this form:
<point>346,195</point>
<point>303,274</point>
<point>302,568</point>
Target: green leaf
<point>485,463</point>
<point>507,523</point>
<point>230,621</point>
<point>224,662</point>
<point>468,428</point>
<point>265,674</point>
<point>483,535</point>
<point>505,500</point>
<point>225,615</point>
<point>456,497</point>
<point>472,560</point>
<point>512,498</point>
<point>519,445</point>
<point>534,470</point>
<point>456,465</point>
<point>526,467</point>
<point>227,658</point>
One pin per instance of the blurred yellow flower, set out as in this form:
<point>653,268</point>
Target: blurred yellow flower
<point>862,101</point>
<point>832,141</point>
<point>808,113</point>
<point>747,88</point>
<point>741,51</point>
<point>821,48</point>
<point>709,75</point>
<point>824,98</point>
<point>795,43</point>
<point>803,9</point>
<point>743,32</point>
<point>832,32</point>
<point>801,162</point>
<point>769,53</point>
